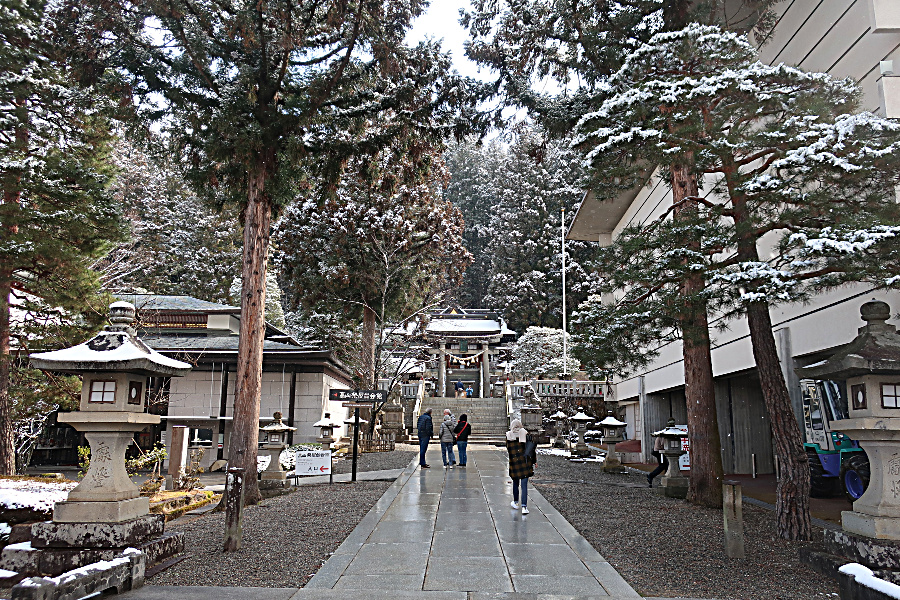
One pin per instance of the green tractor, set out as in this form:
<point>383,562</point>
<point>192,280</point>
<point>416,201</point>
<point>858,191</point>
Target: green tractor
<point>836,463</point>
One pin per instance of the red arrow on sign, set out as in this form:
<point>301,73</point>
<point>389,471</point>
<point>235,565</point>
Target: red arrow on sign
<point>323,468</point>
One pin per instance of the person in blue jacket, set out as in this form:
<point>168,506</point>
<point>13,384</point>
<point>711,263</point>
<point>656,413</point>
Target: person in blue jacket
<point>425,429</point>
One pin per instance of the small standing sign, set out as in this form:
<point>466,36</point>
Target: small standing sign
<point>313,462</point>
<point>357,399</point>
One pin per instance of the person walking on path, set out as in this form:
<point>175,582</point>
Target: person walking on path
<point>521,463</point>
<point>459,388</point>
<point>425,429</point>
<point>658,446</point>
<point>462,432</point>
<point>447,440</point>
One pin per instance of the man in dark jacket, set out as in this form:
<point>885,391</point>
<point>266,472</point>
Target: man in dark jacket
<point>425,429</point>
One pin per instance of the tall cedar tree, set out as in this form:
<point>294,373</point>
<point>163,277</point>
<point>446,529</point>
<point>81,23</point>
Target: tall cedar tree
<point>178,244</point>
<point>579,46</point>
<point>376,249</point>
<point>536,178</point>
<point>255,96</point>
<point>56,217</point>
<point>776,150</point>
<point>473,172</point>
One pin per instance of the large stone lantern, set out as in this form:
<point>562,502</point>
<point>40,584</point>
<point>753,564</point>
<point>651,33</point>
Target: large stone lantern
<point>581,421</point>
<point>870,365</point>
<point>531,418</point>
<point>114,365</point>
<point>673,484</point>
<point>612,434</point>
<point>276,441</point>
<point>105,512</point>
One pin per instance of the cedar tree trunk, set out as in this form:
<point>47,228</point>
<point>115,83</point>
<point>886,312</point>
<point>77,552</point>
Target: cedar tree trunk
<point>792,493</point>
<point>705,483</point>
<point>367,352</point>
<point>245,434</point>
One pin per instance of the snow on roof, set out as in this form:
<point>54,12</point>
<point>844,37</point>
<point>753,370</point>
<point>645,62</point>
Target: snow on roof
<point>110,351</point>
<point>612,421</point>
<point>464,326</point>
<point>174,303</point>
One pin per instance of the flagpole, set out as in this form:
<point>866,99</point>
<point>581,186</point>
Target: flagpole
<point>562,244</point>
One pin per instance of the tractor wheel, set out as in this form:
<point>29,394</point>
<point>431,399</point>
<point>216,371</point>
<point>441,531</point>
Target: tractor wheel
<point>855,475</point>
<point>821,486</point>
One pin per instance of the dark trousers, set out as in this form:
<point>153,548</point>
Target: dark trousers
<point>423,446</point>
<point>661,468</point>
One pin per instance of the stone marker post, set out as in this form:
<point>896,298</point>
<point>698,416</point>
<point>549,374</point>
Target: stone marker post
<point>177,456</point>
<point>234,508</point>
<point>732,508</point>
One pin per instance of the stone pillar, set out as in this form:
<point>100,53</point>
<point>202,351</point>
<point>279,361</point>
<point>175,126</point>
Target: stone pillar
<point>178,455</point>
<point>486,372</point>
<point>442,370</point>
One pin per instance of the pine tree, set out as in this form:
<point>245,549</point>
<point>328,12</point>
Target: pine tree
<point>376,251</point>
<point>55,215</point>
<point>782,156</point>
<point>257,99</point>
<point>537,178</point>
<point>539,354</point>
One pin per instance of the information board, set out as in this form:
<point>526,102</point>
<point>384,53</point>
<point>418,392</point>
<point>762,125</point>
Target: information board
<point>313,462</point>
<point>357,395</point>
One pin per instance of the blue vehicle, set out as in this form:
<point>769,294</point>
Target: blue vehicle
<point>836,463</point>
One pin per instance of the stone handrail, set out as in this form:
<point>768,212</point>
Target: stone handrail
<point>567,388</point>
<point>410,390</point>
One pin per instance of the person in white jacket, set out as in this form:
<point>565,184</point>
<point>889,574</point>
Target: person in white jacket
<point>448,440</point>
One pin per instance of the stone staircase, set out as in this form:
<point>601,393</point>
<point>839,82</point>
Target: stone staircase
<point>487,416</point>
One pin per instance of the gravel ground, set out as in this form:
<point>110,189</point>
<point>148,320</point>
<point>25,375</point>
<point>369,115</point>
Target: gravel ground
<point>668,548</point>
<point>400,458</point>
<point>286,539</point>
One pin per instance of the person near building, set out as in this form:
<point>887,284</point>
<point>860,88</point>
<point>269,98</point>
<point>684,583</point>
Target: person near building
<point>462,431</point>
<point>521,463</point>
<point>425,429</point>
<point>447,440</point>
<point>470,392</point>
<point>459,387</point>
<point>658,445</point>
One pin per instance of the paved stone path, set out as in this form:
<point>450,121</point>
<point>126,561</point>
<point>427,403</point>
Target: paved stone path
<point>449,534</point>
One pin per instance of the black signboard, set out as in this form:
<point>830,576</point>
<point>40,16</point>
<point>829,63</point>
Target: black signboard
<point>357,395</point>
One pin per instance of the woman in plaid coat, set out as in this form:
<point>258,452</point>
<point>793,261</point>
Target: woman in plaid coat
<point>521,467</point>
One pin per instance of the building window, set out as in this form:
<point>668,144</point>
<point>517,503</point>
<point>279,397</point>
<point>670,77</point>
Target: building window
<point>889,393</point>
<point>103,391</point>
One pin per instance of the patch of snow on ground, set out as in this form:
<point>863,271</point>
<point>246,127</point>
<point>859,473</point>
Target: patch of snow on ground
<point>566,454</point>
<point>38,495</point>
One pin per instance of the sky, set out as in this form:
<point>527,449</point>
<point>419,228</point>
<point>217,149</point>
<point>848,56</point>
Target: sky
<point>441,21</point>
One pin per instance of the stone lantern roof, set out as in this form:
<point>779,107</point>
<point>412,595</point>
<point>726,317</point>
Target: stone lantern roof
<point>611,421</point>
<point>116,348</point>
<point>876,350</point>
<point>581,417</point>
<point>277,426</point>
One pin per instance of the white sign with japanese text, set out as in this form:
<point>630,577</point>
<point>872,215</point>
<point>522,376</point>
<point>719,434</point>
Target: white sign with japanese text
<point>313,462</point>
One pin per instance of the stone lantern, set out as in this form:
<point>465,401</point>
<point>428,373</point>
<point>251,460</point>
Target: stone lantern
<point>612,434</point>
<point>276,442</point>
<point>559,416</point>
<point>326,426</point>
<point>106,509</point>
<point>531,418</point>
<point>870,365</point>
<point>392,420</point>
<point>581,421</point>
<point>673,483</point>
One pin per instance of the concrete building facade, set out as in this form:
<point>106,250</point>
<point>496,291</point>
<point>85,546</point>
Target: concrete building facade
<point>845,38</point>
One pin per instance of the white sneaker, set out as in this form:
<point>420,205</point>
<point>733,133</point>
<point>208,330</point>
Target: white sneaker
<point>524,510</point>
<point>514,504</point>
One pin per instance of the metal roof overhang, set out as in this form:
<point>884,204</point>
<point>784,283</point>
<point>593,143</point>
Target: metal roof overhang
<point>595,219</point>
